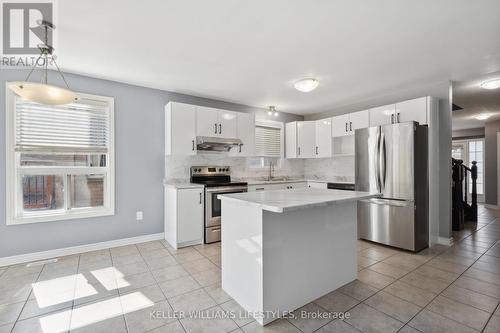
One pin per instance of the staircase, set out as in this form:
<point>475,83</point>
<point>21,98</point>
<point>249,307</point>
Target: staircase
<point>462,210</point>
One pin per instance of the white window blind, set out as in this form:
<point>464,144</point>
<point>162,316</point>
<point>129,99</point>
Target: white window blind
<point>267,141</point>
<point>82,126</point>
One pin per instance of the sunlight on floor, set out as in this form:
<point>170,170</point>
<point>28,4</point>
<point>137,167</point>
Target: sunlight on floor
<point>110,278</point>
<point>60,290</point>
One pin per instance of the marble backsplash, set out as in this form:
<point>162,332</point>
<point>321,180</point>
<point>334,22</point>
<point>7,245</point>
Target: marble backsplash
<point>340,168</point>
<point>177,167</point>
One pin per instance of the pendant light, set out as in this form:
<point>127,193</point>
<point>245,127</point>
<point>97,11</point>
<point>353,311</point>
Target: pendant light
<point>42,92</point>
<point>272,111</point>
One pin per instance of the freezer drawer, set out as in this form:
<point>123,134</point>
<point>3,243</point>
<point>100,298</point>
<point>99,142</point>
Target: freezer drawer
<point>393,223</point>
<point>212,234</point>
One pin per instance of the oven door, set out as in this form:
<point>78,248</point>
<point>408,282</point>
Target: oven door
<point>213,205</point>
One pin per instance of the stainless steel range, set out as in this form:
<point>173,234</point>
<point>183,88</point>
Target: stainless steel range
<point>217,180</point>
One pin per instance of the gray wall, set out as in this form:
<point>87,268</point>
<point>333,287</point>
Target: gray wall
<point>469,133</point>
<point>439,137</point>
<point>490,162</point>
<point>139,140</point>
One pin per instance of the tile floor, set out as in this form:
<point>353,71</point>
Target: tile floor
<point>117,290</point>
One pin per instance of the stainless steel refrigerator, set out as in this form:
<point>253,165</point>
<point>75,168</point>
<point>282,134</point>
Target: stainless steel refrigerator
<point>392,160</point>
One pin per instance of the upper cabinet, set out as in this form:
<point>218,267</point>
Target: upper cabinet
<point>359,119</point>
<point>382,115</point>
<point>340,125</point>
<point>412,110</point>
<point>245,131</point>
<point>291,150</point>
<point>324,137</point>
<point>180,129</point>
<point>346,124</point>
<point>215,122</point>
<point>184,122</point>
<point>306,139</point>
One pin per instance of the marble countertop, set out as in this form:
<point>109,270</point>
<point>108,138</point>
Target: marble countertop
<point>280,201</point>
<point>180,184</point>
<point>291,180</point>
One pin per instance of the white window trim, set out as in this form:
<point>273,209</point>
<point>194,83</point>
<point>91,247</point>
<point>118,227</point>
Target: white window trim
<point>12,195</point>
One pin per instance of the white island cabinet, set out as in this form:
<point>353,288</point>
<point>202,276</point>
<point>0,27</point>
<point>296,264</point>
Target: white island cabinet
<point>287,247</point>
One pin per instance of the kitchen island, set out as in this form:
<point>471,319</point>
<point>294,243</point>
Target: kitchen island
<point>285,248</point>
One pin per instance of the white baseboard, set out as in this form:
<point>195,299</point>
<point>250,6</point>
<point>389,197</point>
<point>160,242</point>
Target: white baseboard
<point>444,241</point>
<point>22,258</point>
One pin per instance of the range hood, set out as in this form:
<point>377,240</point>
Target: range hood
<point>209,143</point>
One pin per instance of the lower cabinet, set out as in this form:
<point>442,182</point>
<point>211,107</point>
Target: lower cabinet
<point>317,185</point>
<point>184,216</point>
<point>279,186</point>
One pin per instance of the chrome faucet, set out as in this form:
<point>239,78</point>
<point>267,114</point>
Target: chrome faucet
<point>271,170</point>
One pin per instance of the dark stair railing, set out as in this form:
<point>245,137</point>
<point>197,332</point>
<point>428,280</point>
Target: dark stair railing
<point>461,209</point>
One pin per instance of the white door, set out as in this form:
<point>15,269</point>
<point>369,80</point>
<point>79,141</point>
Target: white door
<point>324,138</point>
<point>228,124</point>
<point>357,120</point>
<point>412,110</point>
<point>207,121</point>
<point>246,133</point>
<point>306,139</point>
<point>190,204</point>
<point>340,125</point>
<point>180,129</point>
<point>382,115</point>
<point>291,140</point>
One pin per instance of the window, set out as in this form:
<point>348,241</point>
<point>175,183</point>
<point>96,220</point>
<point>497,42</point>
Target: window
<point>268,144</point>
<point>476,153</point>
<point>60,160</point>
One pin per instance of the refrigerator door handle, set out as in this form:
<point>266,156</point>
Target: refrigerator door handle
<point>377,163</point>
<point>383,162</point>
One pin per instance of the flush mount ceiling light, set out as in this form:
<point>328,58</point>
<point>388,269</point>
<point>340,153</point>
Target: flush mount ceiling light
<point>272,111</point>
<point>491,84</point>
<point>306,85</point>
<point>42,92</point>
<point>482,116</point>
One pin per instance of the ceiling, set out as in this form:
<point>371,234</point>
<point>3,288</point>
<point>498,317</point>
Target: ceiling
<point>474,100</point>
<point>251,52</point>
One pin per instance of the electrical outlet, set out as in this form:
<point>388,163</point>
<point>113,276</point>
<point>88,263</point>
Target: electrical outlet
<point>139,216</point>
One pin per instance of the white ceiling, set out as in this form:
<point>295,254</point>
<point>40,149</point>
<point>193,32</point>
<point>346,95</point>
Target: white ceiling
<point>474,100</point>
<point>251,52</point>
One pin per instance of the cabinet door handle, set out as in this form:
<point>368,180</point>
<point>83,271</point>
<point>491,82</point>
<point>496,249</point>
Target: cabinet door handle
<point>240,148</point>
<point>259,189</point>
<point>299,150</point>
<point>346,127</point>
<point>316,150</point>
<point>192,141</point>
<point>350,126</point>
<point>200,198</point>
<point>215,128</point>
<point>392,118</point>
<point>398,117</point>
<point>220,129</point>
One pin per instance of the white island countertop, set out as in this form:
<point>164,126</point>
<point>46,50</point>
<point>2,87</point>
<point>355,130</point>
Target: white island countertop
<point>279,201</point>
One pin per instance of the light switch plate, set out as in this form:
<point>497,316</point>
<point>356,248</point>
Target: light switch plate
<point>139,216</point>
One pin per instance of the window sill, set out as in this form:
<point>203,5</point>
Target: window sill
<point>72,215</point>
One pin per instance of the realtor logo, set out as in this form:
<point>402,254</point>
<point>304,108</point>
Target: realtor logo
<point>22,33</point>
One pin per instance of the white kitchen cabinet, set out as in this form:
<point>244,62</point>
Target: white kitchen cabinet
<point>276,186</point>
<point>382,115</point>
<point>340,125</point>
<point>180,130</point>
<point>245,131</point>
<point>228,124</point>
<point>216,122</point>
<point>306,139</point>
<point>320,185</point>
<point>359,119</point>
<point>324,137</point>
<point>291,150</point>
<point>413,110</point>
<point>207,121</point>
<point>184,216</point>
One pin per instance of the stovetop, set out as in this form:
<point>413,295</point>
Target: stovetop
<point>213,176</point>
<point>215,183</point>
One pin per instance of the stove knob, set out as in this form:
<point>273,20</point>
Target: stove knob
<point>227,169</point>
<point>220,169</point>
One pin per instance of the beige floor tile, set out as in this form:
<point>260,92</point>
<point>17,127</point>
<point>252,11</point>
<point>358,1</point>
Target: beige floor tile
<point>142,320</point>
<point>173,327</point>
<point>479,286</point>
<point>151,293</point>
<point>278,326</point>
<point>393,306</point>
<point>367,319</point>
<point>375,279</point>
<point>358,290</point>
<point>136,281</point>
<point>364,262</point>
<point>310,317</point>
<point>336,302</point>
<point>208,249</point>
<point>426,283</point>
<point>447,265</point>
<point>157,263</point>
<point>149,246</point>
<point>132,269</point>
<point>209,277</point>
<point>10,312</point>
<point>410,293</point>
<point>215,291</point>
<point>192,301</point>
<point>216,260</point>
<point>389,270</point>
<point>114,324</point>
<point>179,286</point>
<point>437,274</point>
<point>19,270</point>
<point>216,324</point>
<point>127,260</point>
<point>430,322</point>
<point>155,254</point>
<point>469,297</point>
<point>487,267</point>
<point>405,261</point>
<point>169,273</point>
<point>408,329</point>
<point>33,309</point>
<point>188,256</point>
<point>493,325</point>
<point>199,265</point>
<point>56,322</point>
<point>6,328</point>
<point>337,326</point>
<point>456,259</point>
<point>242,317</point>
<point>377,253</point>
<point>124,250</point>
<point>464,314</point>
